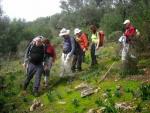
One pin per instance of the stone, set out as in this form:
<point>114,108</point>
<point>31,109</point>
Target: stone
<point>96,110</point>
<point>62,102</point>
<point>36,103</point>
<point>124,106</point>
<point>81,86</point>
<point>87,92</point>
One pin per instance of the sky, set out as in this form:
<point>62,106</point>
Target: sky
<point>30,9</point>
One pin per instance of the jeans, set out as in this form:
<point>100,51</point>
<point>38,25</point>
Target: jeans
<point>32,70</point>
<point>93,56</point>
<point>77,60</point>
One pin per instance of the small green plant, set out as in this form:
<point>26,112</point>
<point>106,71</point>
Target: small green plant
<point>110,106</point>
<point>59,95</point>
<point>99,102</point>
<point>108,92</point>
<point>50,96</point>
<point>139,107</point>
<point>75,102</point>
<point>145,91</point>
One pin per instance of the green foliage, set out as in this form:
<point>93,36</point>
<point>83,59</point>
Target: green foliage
<point>111,22</point>
<point>145,91</point>
<point>99,102</point>
<point>76,102</point>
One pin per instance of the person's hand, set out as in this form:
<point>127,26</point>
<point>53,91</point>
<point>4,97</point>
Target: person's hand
<point>97,47</point>
<point>45,67</point>
<point>84,49</point>
<point>24,65</point>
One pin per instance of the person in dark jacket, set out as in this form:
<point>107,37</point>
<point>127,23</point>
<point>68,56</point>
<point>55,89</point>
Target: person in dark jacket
<point>82,45</point>
<point>34,59</point>
<point>68,52</point>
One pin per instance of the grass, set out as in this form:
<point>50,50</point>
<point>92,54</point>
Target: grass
<point>61,97</point>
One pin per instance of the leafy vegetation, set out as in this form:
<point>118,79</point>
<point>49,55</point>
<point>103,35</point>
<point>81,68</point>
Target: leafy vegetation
<point>61,97</point>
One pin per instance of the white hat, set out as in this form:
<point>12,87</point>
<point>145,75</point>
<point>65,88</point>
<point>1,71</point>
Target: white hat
<point>63,32</point>
<point>76,30</point>
<point>126,21</point>
<point>36,39</point>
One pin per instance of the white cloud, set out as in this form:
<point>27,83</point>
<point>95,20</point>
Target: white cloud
<point>30,9</point>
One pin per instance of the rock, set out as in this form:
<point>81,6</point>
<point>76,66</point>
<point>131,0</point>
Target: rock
<point>33,107</point>
<point>36,103</point>
<point>124,106</point>
<point>96,110</point>
<point>118,87</point>
<point>105,95</point>
<point>87,92</point>
<point>62,102</point>
<point>91,111</point>
<point>81,86</point>
<point>86,89</point>
<point>42,105</point>
<point>96,90</point>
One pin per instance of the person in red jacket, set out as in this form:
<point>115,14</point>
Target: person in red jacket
<point>82,41</point>
<point>50,57</point>
<point>126,40</point>
<point>130,31</point>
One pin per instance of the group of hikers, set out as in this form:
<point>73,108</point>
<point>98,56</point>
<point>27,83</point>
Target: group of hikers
<point>40,54</point>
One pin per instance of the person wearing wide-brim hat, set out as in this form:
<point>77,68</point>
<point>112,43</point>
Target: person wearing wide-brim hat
<point>67,52</point>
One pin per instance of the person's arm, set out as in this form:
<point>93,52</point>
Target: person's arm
<point>72,46</point>
<point>54,54</point>
<point>98,42</point>
<point>26,56</point>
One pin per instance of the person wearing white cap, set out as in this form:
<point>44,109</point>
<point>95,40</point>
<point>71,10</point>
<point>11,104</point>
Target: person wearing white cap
<point>82,40</point>
<point>34,59</point>
<point>126,40</point>
<point>68,52</point>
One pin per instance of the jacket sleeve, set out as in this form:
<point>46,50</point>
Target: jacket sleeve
<point>27,51</point>
<point>72,46</point>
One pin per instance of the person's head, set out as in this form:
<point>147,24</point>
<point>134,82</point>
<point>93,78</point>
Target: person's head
<point>127,23</point>
<point>37,41</point>
<point>64,33</point>
<point>45,41</point>
<point>93,29</point>
<point>77,32</point>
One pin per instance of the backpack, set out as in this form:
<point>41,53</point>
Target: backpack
<point>29,49</point>
<point>101,38</point>
<point>87,39</point>
<point>50,50</point>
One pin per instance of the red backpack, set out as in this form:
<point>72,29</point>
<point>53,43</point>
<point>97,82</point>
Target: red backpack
<point>50,51</point>
<point>101,38</point>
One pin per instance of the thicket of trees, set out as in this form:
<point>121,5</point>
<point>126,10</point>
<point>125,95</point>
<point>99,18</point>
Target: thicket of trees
<point>107,14</point>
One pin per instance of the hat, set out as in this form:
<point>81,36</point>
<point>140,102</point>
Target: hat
<point>76,30</point>
<point>63,32</point>
<point>36,39</point>
<point>126,21</point>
